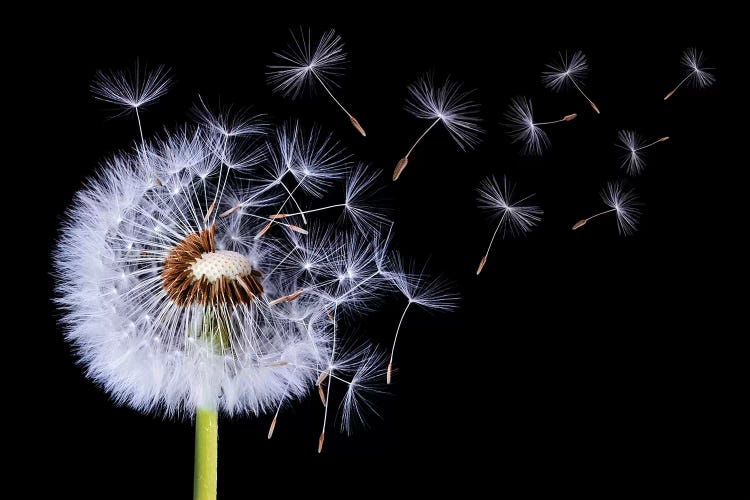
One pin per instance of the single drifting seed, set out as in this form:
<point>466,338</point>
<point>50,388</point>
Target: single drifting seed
<point>481,265</point>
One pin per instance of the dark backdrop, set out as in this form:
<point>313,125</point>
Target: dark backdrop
<point>564,366</point>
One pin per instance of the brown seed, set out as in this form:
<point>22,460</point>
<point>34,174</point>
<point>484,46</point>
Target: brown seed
<point>271,429</point>
<point>278,216</point>
<point>670,94</point>
<point>264,230</point>
<point>320,441</point>
<point>481,265</point>
<point>230,211</point>
<point>210,211</point>
<point>388,374</point>
<point>400,166</point>
<point>322,394</point>
<point>596,109</point>
<point>357,126</point>
<point>663,139</point>
<point>322,378</point>
<point>298,229</point>
<point>573,116</point>
<point>580,223</point>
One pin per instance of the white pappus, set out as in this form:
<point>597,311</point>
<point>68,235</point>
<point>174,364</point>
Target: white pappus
<point>448,104</point>
<point>522,127</point>
<point>623,202</point>
<point>182,288</point>
<point>568,71</point>
<point>305,64</point>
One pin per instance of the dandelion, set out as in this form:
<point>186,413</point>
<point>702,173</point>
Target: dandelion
<point>522,127</point>
<point>623,202</point>
<point>420,290</point>
<point>132,90</point>
<point>633,159</point>
<point>175,307</point>
<point>697,74</point>
<point>305,64</point>
<point>448,104</point>
<point>515,215</point>
<point>568,71</point>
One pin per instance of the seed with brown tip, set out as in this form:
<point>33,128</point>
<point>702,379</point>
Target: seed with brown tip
<point>388,374</point>
<point>278,216</point>
<point>400,166</point>
<point>357,126</point>
<point>230,211</point>
<point>567,118</point>
<point>580,223</point>
<point>596,109</point>
<point>210,211</point>
<point>264,230</point>
<point>320,441</point>
<point>322,394</point>
<point>322,378</point>
<point>271,429</point>
<point>481,265</point>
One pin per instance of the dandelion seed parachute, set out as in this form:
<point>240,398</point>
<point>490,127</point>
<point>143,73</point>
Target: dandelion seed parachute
<point>305,64</point>
<point>697,74</point>
<point>516,216</point>
<point>568,71</point>
<point>621,201</point>
<point>448,104</point>
<point>633,158</point>
<point>522,127</point>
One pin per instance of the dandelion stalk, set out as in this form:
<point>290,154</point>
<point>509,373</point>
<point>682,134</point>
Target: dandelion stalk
<point>206,454</point>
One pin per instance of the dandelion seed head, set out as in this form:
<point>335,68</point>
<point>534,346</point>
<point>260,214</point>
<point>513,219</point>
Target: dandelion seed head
<point>171,301</point>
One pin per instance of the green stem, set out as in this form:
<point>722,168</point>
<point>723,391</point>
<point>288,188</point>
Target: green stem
<point>206,456</point>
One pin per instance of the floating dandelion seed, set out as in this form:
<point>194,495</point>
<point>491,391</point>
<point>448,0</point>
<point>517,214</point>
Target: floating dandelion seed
<point>697,74</point>
<point>448,104</point>
<point>568,71</point>
<point>430,293</point>
<point>301,66</point>
<point>522,128</point>
<point>624,203</point>
<point>175,306</point>
<point>132,90</point>
<point>633,160</point>
<point>516,216</point>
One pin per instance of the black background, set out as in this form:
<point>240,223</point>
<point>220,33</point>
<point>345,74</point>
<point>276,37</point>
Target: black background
<point>565,366</point>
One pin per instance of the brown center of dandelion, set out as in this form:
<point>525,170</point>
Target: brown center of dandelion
<point>196,273</point>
